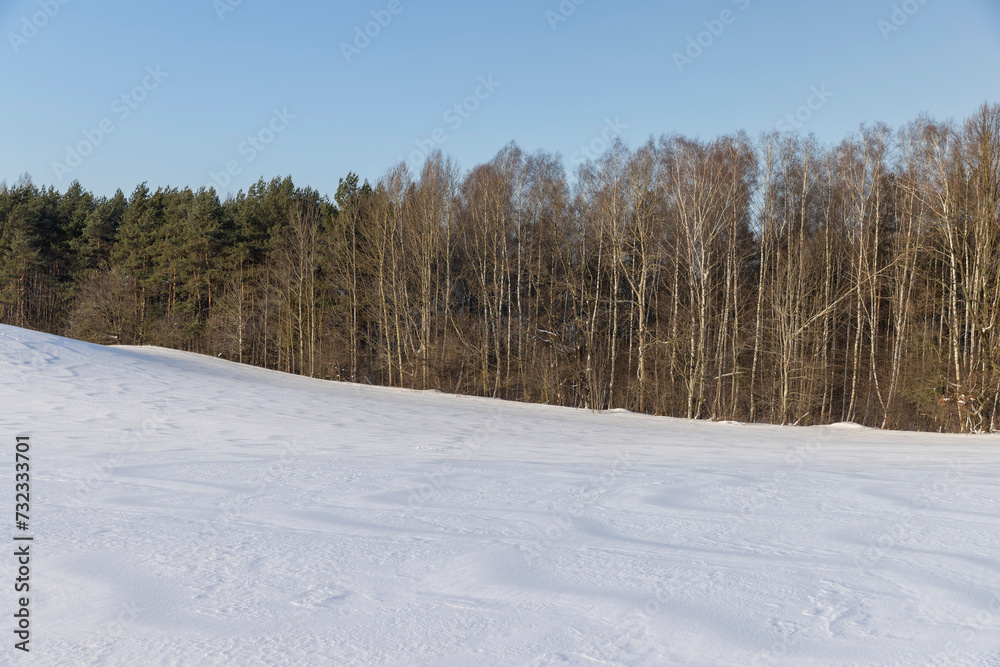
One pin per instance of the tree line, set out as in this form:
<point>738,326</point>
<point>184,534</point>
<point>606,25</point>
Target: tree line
<point>771,280</point>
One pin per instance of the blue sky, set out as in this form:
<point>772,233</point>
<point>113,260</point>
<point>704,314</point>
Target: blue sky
<point>266,89</point>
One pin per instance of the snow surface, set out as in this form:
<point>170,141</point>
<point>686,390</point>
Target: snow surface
<point>192,511</point>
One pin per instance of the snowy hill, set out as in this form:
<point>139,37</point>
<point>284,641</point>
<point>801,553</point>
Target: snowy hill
<point>191,511</point>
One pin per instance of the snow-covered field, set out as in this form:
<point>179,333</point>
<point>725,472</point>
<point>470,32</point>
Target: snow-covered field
<point>191,511</point>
